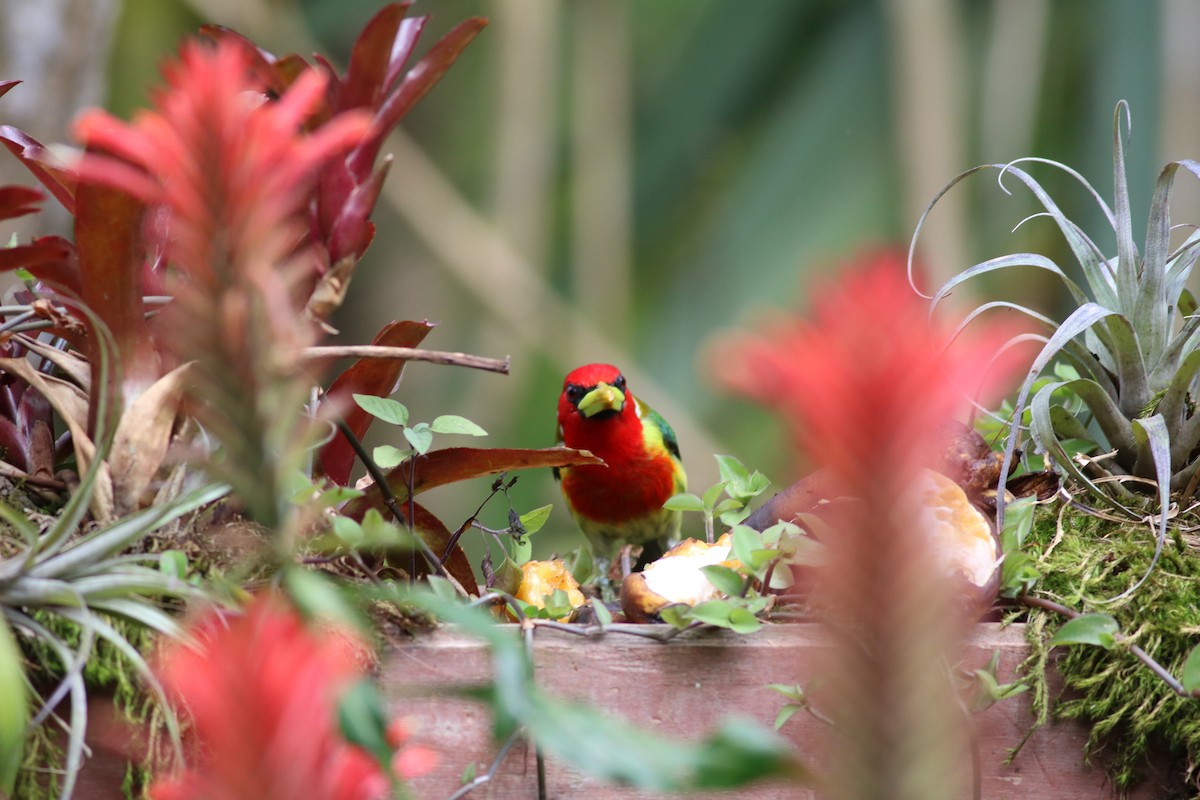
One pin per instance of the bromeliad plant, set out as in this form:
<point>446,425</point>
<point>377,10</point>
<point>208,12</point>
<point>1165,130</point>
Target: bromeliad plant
<point>1133,343</point>
<point>1119,376</point>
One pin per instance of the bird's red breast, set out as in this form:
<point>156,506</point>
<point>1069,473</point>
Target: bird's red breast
<point>635,481</point>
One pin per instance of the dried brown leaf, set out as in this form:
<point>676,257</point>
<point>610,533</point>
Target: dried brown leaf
<point>143,437</point>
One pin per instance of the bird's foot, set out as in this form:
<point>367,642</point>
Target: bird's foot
<point>622,565</point>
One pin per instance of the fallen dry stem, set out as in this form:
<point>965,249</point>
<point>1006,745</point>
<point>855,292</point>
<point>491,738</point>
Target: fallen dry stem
<point>500,365</point>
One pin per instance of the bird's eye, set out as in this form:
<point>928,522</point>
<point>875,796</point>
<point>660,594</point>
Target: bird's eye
<point>574,392</point>
<point>619,383</point>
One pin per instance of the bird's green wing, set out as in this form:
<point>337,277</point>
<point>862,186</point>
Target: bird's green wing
<point>659,435</point>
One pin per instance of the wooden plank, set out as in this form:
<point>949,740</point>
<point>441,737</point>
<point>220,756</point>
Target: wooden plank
<point>670,688</point>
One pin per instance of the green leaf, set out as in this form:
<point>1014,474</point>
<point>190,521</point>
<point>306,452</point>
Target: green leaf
<point>386,456</point>
<point>742,751</point>
<point>558,604</point>
<point>677,615</point>
<point>468,773</point>
<point>713,612</point>
<point>787,712</point>
<point>522,549</point>
<point>1191,670</point>
<point>711,494</point>
<point>779,531</point>
<point>726,506</point>
<point>741,620</point>
<point>792,691</point>
<point>746,540</point>
<point>363,722</point>
<point>731,469</point>
<point>348,531</point>
<point>735,517</point>
<point>14,709</point>
<point>582,565</point>
<point>1094,629</point>
<point>384,409</point>
<point>452,423</point>
<point>532,521</point>
<point>420,437</point>
<point>740,483</point>
<point>336,496</point>
<point>1018,522</point>
<point>603,615</point>
<point>173,563</point>
<point>684,502</point>
<point>380,534</point>
<point>1018,573</point>
<point>443,589</point>
<point>728,581</point>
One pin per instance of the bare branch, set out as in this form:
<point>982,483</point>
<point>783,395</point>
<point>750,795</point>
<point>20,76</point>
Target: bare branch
<point>500,365</point>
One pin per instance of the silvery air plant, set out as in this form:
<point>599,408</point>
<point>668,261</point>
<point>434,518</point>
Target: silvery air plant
<point>1125,359</point>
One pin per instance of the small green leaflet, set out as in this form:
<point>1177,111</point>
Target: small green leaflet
<point>383,408</point>
<point>386,456</point>
<point>420,436</point>
<point>728,581</point>
<point>711,494</point>
<point>173,563</point>
<point>603,615</point>
<point>452,423</point>
<point>532,521</point>
<point>1094,629</point>
<point>1191,671</point>
<point>684,502</point>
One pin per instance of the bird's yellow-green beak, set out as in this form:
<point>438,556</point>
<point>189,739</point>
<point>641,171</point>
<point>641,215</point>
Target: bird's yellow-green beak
<point>600,399</point>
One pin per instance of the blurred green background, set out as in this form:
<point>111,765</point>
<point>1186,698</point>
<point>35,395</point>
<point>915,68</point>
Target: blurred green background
<point>622,181</point>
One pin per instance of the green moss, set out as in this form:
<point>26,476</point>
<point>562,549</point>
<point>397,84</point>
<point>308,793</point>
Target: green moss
<point>107,672</point>
<point>1134,714</point>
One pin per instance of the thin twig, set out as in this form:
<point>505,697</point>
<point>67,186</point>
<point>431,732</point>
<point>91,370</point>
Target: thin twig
<point>537,750</point>
<point>500,365</point>
<point>1137,652</point>
<point>9,471</point>
<point>389,499</point>
<point>487,777</point>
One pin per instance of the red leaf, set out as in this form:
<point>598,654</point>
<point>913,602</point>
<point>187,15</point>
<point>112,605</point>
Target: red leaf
<point>374,376</point>
<point>352,231</point>
<point>369,60</point>
<point>17,201</point>
<point>416,84</point>
<point>108,234</point>
<point>6,85</point>
<point>402,49</point>
<point>455,464</point>
<point>435,534</point>
<point>36,158</point>
<point>50,259</point>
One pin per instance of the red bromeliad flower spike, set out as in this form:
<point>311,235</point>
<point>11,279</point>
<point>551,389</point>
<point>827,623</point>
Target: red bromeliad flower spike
<point>262,692</point>
<point>865,385</point>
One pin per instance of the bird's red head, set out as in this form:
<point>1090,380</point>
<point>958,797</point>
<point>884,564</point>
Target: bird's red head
<point>593,393</point>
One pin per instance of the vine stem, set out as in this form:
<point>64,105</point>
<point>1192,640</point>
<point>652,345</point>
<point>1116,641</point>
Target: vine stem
<point>389,498</point>
<point>1141,655</point>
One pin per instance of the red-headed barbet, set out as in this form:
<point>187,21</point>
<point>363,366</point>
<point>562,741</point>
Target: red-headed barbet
<point>622,500</point>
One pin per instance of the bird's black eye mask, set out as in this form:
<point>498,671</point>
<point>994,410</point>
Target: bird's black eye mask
<point>575,393</point>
